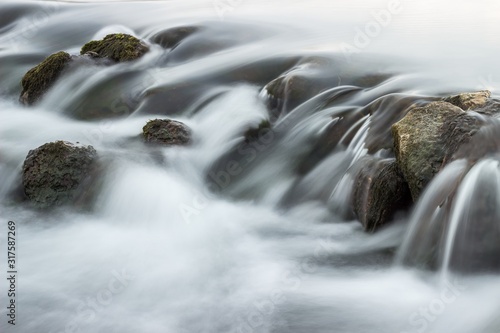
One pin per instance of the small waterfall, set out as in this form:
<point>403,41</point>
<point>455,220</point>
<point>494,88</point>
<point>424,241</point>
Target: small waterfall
<point>473,238</point>
<point>456,225</point>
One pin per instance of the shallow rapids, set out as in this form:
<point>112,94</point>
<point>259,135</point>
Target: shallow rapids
<point>177,241</point>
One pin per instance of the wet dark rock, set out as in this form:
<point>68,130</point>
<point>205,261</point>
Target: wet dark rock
<point>469,101</point>
<point>172,37</point>
<point>52,173</point>
<point>41,77</point>
<point>380,190</point>
<point>166,132</point>
<point>427,137</point>
<point>118,47</point>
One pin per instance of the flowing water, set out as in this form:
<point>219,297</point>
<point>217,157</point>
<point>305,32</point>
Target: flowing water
<point>177,241</point>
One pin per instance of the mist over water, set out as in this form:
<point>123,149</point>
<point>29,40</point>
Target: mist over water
<point>175,242</point>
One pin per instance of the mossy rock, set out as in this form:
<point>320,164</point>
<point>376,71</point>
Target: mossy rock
<point>426,139</point>
<point>118,47</point>
<point>41,77</point>
<point>166,132</point>
<point>53,172</point>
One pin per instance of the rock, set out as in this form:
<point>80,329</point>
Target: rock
<point>118,47</point>
<point>53,172</point>
<point>427,137</point>
<point>380,191</point>
<point>41,77</point>
<point>166,132</point>
<point>469,101</point>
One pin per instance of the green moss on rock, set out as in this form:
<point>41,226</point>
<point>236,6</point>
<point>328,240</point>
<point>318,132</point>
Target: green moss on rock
<point>119,47</point>
<point>41,77</point>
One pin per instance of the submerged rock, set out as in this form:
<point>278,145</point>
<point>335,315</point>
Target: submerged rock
<point>118,47</point>
<point>53,172</point>
<point>380,191</point>
<point>469,101</point>
<point>294,88</point>
<point>166,132</point>
<point>41,77</point>
<point>172,37</point>
<point>427,137</point>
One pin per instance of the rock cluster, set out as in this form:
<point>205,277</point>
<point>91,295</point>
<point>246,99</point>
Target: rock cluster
<point>61,172</point>
<point>115,47</point>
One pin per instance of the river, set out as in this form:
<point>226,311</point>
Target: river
<point>174,243</point>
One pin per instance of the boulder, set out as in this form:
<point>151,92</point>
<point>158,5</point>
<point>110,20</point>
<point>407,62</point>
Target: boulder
<point>469,101</point>
<point>41,77</point>
<point>52,173</point>
<point>166,132</point>
<point>118,47</point>
<point>380,190</point>
<point>426,139</point>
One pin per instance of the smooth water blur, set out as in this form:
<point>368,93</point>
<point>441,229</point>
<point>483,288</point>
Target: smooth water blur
<point>270,247</point>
